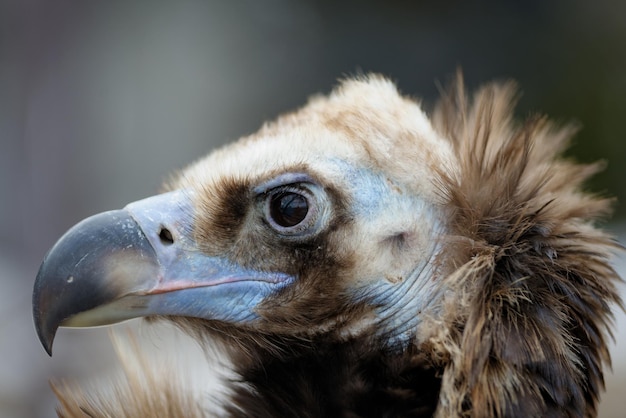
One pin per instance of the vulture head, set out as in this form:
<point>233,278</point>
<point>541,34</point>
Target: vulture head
<point>360,258</point>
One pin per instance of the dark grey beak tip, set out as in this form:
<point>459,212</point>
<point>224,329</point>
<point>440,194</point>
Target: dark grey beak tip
<point>70,279</point>
<point>47,343</point>
<point>46,338</point>
<point>45,331</point>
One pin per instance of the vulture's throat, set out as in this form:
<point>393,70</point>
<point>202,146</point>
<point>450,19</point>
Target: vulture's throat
<point>353,376</point>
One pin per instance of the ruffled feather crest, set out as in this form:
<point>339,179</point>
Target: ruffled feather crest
<point>529,284</point>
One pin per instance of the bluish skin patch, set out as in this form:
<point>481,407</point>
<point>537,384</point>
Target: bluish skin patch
<point>371,192</point>
<point>398,304</point>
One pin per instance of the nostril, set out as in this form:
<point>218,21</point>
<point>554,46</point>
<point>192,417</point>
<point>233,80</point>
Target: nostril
<point>166,236</point>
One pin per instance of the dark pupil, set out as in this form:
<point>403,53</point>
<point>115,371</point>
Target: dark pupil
<point>288,209</point>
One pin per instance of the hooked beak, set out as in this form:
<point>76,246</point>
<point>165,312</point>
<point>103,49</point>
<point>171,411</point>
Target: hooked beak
<point>139,261</point>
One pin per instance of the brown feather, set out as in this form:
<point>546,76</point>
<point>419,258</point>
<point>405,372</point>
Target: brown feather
<point>530,284</point>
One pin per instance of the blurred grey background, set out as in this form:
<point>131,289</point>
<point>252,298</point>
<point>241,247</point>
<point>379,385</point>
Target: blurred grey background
<point>101,100</point>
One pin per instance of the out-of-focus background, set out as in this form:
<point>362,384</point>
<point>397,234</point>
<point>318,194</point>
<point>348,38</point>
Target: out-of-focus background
<point>100,100</point>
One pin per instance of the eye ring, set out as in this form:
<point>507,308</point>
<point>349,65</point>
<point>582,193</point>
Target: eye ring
<point>291,210</point>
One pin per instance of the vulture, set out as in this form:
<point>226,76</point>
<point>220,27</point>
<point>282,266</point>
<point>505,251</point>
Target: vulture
<point>358,257</point>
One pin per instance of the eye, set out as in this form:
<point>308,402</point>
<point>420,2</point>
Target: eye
<point>294,209</point>
<point>288,209</point>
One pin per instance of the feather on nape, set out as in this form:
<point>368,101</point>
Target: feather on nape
<point>529,286</point>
